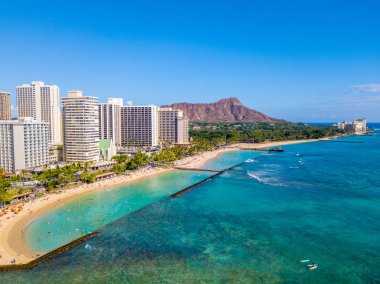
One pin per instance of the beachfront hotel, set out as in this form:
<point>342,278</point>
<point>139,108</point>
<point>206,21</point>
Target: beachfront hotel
<point>139,126</point>
<point>80,119</point>
<point>357,126</point>
<point>41,102</point>
<point>5,106</point>
<point>109,120</point>
<point>173,126</point>
<point>23,144</point>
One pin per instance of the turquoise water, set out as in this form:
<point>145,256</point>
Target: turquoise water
<point>229,159</point>
<point>97,209</point>
<point>317,201</point>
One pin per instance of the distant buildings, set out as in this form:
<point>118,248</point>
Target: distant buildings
<point>173,126</point>
<point>139,126</point>
<point>23,144</point>
<point>41,102</point>
<point>89,131</point>
<point>109,120</point>
<point>80,118</point>
<point>5,106</point>
<point>358,126</point>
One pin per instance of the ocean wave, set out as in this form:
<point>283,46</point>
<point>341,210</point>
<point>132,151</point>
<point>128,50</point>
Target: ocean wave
<point>252,175</point>
<point>261,176</point>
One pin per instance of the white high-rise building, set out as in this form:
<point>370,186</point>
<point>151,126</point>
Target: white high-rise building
<point>80,119</point>
<point>357,126</point>
<point>173,126</point>
<point>41,102</point>
<point>183,130</point>
<point>109,120</point>
<point>23,144</point>
<point>139,126</point>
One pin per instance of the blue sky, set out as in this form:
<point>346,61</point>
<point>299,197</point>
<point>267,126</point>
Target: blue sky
<point>312,60</point>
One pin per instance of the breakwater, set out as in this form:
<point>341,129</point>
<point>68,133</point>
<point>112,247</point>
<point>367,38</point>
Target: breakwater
<point>32,264</point>
<point>47,256</point>
<point>195,169</point>
<point>191,187</point>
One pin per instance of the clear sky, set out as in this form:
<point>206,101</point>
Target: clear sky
<point>301,60</point>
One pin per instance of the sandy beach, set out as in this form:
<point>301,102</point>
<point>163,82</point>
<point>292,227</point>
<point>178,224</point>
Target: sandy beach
<point>271,144</point>
<point>12,245</point>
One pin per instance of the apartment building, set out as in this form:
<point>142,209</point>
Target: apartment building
<point>41,102</point>
<point>5,106</point>
<point>173,126</point>
<point>139,126</point>
<point>358,126</point>
<point>183,130</point>
<point>109,120</point>
<point>23,144</point>
<point>80,120</point>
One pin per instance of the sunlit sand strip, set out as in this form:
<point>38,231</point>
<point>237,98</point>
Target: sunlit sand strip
<point>12,244</point>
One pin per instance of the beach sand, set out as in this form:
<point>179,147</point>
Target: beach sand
<point>272,144</point>
<point>12,245</point>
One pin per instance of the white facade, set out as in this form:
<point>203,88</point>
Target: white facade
<point>183,130</point>
<point>23,144</point>
<point>109,120</point>
<point>358,126</point>
<point>80,119</point>
<point>115,101</point>
<point>173,126</point>
<point>139,126</point>
<point>41,102</point>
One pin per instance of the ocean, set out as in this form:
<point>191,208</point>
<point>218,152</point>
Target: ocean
<point>253,224</point>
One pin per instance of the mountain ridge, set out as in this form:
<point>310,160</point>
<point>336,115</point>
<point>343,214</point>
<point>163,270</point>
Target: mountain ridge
<point>226,109</point>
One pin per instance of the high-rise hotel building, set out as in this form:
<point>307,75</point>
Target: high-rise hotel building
<point>139,126</point>
<point>173,126</point>
<point>109,120</point>
<point>41,102</point>
<point>80,119</point>
<point>5,106</point>
<point>23,144</point>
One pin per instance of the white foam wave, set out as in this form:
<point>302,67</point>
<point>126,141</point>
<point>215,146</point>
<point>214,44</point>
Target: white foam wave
<point>252,175</point>
<point>262,177</point>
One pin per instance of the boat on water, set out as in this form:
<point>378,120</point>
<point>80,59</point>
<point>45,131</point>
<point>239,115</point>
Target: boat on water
<point>304,260</point>
<point>312,266</point>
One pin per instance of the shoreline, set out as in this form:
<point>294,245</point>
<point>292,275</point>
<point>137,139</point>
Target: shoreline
<point>12,243</point>
<point>265,145</point>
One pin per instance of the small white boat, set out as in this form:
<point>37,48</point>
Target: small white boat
<point>304,260</point>
<point>312,266</point>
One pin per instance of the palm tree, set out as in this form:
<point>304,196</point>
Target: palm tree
<point>23,172</point>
